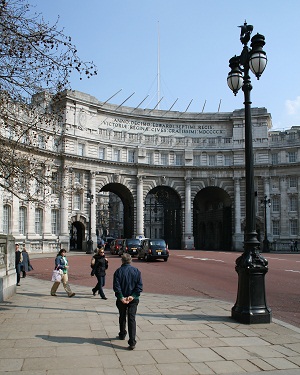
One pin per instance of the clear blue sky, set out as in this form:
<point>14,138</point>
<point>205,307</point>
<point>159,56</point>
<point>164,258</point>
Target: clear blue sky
<point>197,38</point>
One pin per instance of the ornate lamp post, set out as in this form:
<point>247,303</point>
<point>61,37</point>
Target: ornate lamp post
<point>266,202</point>
<point>89,244</point>
<point>251,266</point>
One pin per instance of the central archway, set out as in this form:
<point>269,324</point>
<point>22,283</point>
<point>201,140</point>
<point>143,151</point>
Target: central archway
<point>163,216</point>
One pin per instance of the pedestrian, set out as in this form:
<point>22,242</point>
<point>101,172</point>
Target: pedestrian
<point>127,285</point>
<point>61,263</point>
<point>292,245</point>
<point>296,245</point>
<point>18,263</point>
<point>99,266</point>
<point>26,266</point>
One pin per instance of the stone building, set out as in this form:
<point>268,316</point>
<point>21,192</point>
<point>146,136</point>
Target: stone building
<point>132,172</point>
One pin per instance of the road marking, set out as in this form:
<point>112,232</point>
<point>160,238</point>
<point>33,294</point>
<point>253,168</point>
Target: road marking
<point>292,271</point>
<point>191,257</point>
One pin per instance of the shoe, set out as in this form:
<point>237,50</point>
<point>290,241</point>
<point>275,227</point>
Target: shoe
<point>72,295</point>
<point>94,293</point>
<point>131,347</point>
<point>122,337</point>
<point>53,295</point>
<point>18,284</point>
<point>103,297</point>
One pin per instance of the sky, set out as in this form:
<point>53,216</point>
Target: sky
<point>178,51</point>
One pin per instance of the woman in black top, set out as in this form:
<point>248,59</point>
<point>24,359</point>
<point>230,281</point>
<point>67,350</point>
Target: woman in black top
<point>99,268</point>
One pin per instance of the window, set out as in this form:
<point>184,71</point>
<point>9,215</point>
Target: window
<point>22,220</point>
<point>292,157</point>
<point>77,202</point>
<point>116,155</point>
<point>293,182</point>
<point>293,203</point>
<point>275,228</point>
<point>131,156</point>
<point>197,160</point>
<point>54,187</point>
<point>212,160</point>
<point>164,159</point>
<point>274,159</point>
<point>6,218</point>
<point>149,158</point>
<point>78,177</point>
<point>41,141</point>
<point>293,227</point>
<point>38,221</point>
<point>228,160</point>
<point>101,153</point>
<point>178,159</point>
<point>54,221</point>
<point>81,148</point>
<point>55,145</point>
<point>275,204</point>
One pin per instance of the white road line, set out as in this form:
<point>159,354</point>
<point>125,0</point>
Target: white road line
<point>292,271</point>
<point>215,260</point>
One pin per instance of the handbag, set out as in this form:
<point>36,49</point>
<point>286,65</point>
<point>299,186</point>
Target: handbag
<point>93,261</point>
<point>56,276</point>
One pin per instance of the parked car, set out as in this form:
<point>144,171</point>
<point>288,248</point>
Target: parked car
<point>115,246</point>
<point>107,242</point>
<point>130,246</point>
<point>153,249</point>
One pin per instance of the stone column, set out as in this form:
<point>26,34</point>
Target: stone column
<point>140,208</point>
<point>284,223</point>
<point>93,207</point>
<point>238,235</point>
<point>64,201</point>
<point>188,233</point>
<point>268,209</point>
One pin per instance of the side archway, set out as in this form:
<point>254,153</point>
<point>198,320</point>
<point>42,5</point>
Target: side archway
<point>163,217</point>
<point>212,219</point>
<point>128,207</point>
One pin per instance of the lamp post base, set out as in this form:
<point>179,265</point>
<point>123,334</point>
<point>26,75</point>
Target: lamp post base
<point>89,247</point>
<point>251,307</point>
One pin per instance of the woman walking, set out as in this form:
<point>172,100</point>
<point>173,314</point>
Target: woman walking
<point>61,263</point>
<point>26,266</point>
<point>99,268</point>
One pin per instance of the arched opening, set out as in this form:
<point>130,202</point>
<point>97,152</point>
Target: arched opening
<point>212,219</point>
<point>119,211</point>
<point>77,236</point>
<point>162,216</point>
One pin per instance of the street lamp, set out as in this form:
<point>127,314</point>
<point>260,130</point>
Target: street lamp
<point>89,244</point>
<point>251,266</point>
<point>266,202</point>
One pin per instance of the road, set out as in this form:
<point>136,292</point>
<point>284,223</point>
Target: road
<point>205,274</point>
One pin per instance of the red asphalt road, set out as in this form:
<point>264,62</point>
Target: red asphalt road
<point>203,274</point>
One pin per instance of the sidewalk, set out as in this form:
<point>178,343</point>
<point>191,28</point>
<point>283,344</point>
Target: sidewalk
<point>40,335</point>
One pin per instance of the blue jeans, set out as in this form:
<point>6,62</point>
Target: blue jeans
<point>100,285</point>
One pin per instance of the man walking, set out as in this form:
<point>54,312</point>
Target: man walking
<point>127,286</point>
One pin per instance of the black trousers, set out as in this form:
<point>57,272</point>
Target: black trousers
<point>128,310</point>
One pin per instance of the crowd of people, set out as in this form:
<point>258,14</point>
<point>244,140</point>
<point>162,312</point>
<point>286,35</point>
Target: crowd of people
<point>127,285</point>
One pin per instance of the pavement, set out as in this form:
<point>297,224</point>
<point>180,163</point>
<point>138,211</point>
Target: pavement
<point>45,335</point>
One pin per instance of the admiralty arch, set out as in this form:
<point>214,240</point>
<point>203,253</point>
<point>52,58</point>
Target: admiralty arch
<point>131,172</point>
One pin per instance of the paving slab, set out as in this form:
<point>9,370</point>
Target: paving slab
<point>45,335</point>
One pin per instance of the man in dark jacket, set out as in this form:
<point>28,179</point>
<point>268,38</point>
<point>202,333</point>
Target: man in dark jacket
<point>127,286</point>
<point>18,263</point>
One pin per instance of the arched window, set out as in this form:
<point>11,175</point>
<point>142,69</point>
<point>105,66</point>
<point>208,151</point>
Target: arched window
<point>6,219</point>
<point>22,220</point>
